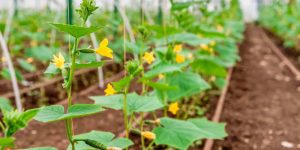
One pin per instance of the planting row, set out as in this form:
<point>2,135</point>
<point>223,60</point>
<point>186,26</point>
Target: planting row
<point>177,62</point>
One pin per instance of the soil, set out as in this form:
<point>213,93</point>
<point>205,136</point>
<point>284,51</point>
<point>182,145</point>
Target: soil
<point>262,104</point>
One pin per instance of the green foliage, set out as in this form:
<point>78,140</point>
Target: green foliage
<point>5,104</point>
<point>56,112</point>
<point>87,7</point>
<point>187,84</point>
<point>7,142</point>
<point>97,138</point>
<point>75,31</point>
<point>89,65</point>
<point>135,102</point>
<point>15,120</point>
<point>26,66</point>
<point>184,133</point>
<point>6,74</point>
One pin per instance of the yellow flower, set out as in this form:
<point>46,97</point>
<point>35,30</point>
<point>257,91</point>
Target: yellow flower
<point>220,28</point>
<point>204,46</point>
<point>58,60</point>
<point>173,108</point>
<point>103,50</point>
<point>190,56</point>
<point>114,148</point>
<point>3,59</point>
<point>180,58</point>
<point>157,121</point>
<point>177,48</point>
<point>29,60</point>
<point>212,43</point>
<point>211,50</point>
<point>148,135</point>
<point>109,90</point>
<point>149,57</point>
<point>33,43</point>
<point>161,76</point>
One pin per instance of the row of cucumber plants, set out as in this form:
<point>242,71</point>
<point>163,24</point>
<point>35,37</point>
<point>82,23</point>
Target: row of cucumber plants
<point>287,24</point>
<point>175,62</point>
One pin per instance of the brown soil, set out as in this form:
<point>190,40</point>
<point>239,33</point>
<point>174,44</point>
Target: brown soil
<point>262,105</point>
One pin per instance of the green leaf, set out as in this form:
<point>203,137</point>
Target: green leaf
<point>181,134</point>
<point>105,138</point>
<point>187,38</point>
<point>75,31</point>
<point>7,142</point>
<point>86,50</point>
<point>41,53</point>
<point>135,102</point>
<point>160,86</point>
<point>176,133</point>
<point>164,68</point>
<point>220,82</point>
<point>27,66</point>
<point>188,84</point>
<point>210,130</point>
<point>5,104</point>
<point>51,70</point>
<point>89,65</point>
<point>42,148</point>
<point>121,84</point>
<point>6,74</point>
<point>209,67</point>
<point>181,5</point>
<point>56,112</point>
<point>28,115</point>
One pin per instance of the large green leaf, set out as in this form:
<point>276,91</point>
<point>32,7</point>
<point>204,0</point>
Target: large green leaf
<point>163,68</point>
<point>5,104</point>
<point>187,38</point>
<point>76,31</point>
<point>181,134</point>
<point>7,142</point>
<point>188,84</point>
<point>210,130</point>
<point>89,65</point>
<point>209,66</point>
<point>105,138</point>
<point>56,112</point>
<point>135,102</point>
<point>176,133</point>
<point>41,53</point>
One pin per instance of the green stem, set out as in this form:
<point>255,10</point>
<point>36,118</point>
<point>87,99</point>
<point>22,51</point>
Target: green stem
<point>69,122</point>
<point>125,113</point>
<point>2,126</point>
<point>142,129</point>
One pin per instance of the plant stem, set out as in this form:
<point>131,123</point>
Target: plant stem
<point>125,113</point>
<point>142,129</point>
<point>69,122</point>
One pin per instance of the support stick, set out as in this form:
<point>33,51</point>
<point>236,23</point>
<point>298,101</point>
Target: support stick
<point>12,73</point>
<point>98,58</point>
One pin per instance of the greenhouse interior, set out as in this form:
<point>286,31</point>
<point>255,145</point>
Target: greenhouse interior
<point>149,74</point>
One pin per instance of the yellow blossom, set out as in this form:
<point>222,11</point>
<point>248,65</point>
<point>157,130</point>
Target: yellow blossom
<point>220,28</point>
<point>204,46</point>
<point>58,60</point>
<point>190,56</point>
<point>157,121</point>
<point>211,50</point>
<point>213,78</point>
<point>33,43</point>
<point>173,108</point>
<point>29,60</point>
<point>212,43</point>
<point>149,57</point>
<point>103,50</point>
<point>161,76</point>
<point>200,35</point>
<point>148,135</point>
<point>180,58</point>
<point>114,148</point>
<point>3,59</point>
<point>177,48</point>
<point>109,90</point>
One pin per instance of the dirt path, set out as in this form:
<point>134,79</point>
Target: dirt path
<point>262,108</point>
